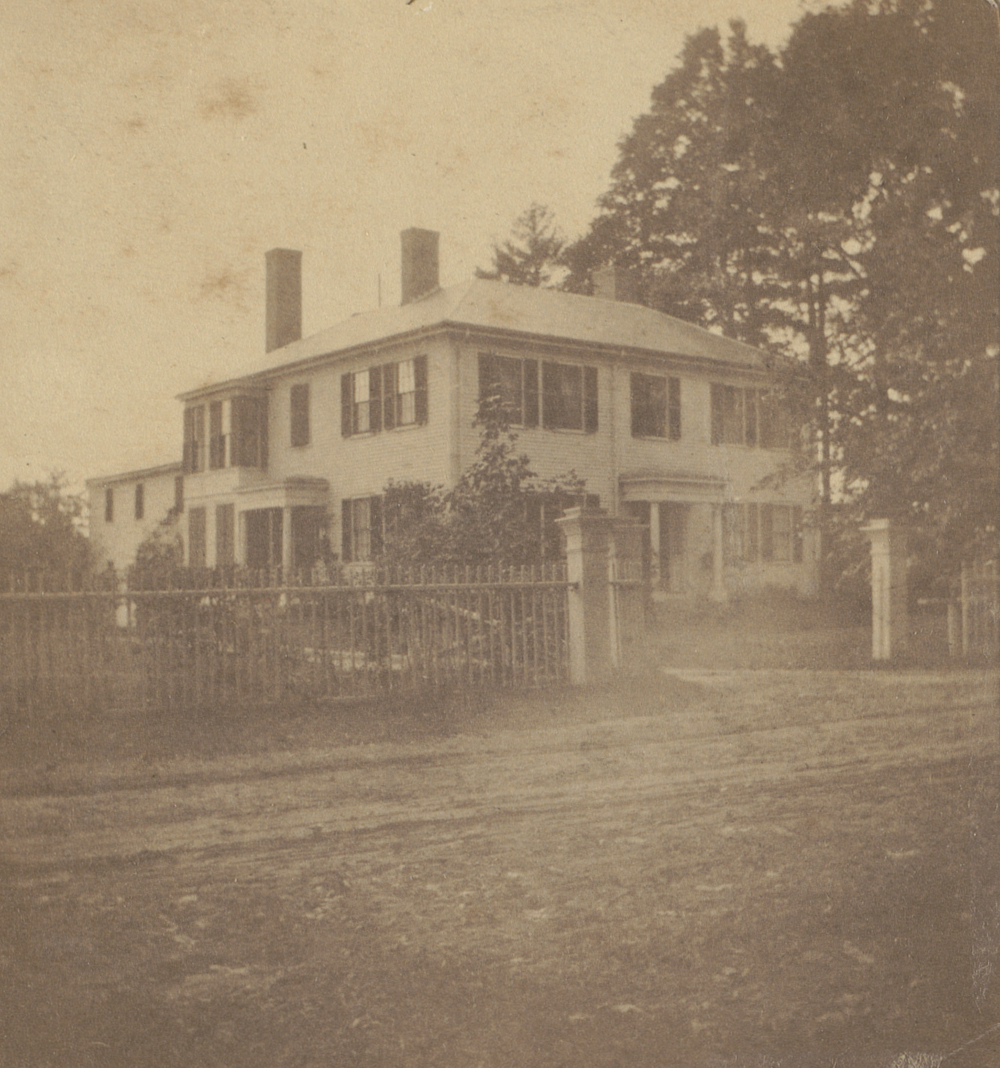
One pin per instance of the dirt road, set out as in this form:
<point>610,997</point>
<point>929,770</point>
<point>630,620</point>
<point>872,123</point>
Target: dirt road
<point>726,868</point>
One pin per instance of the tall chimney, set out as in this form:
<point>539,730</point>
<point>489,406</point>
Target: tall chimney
<point>616,283</point>
<point>419,263</point>
<point>283,316</point>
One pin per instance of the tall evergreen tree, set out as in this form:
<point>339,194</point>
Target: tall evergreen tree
<point>531,256</point>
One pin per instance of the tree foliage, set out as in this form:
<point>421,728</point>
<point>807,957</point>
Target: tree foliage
<point>532,255</point>
<point>495,514</point>
<point>839,201</point>
<point>40,527</point>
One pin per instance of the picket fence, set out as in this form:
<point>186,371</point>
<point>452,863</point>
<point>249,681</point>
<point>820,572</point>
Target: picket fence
<point>252,638</point>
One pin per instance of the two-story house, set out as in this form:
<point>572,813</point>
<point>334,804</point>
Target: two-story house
<point>663,420</point>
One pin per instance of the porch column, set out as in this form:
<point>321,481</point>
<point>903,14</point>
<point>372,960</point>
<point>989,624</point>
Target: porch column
<point>718,590</point>
<point>286,541</point>
<point>654,542</point>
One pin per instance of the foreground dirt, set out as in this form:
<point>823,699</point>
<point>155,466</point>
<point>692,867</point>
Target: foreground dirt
<point>709,869</point>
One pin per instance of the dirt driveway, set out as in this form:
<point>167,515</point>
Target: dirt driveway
<point>711,869</point>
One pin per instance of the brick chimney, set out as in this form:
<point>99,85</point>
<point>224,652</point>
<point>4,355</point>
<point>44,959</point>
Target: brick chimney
<point>616,283</point>
<point>419,263</point>
<point>283,315</point>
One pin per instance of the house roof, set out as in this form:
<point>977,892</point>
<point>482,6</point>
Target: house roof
<point>137,474</point>
<point>524,311</point>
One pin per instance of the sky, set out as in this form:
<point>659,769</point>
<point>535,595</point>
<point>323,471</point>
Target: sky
<point>151,151</point>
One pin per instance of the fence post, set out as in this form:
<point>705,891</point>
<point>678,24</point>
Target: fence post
<point>890,620</point>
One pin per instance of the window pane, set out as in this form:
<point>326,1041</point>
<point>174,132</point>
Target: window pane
<point>562,396</point>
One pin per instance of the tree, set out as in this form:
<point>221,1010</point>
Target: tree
<point>531,257</point>
<point>40,528</point>
<point>683,208</point>
<point>839,203</point>
<point>160,554</point>
<point>497,512</point>
<point>892,248</point>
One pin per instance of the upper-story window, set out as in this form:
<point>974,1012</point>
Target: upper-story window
<point>656,407</point>
<point>140,500</point>
<point>237,434</point>
<point>109,505</point>
<point>567,398</point>
<point>742,416</point>
<point>194,438</point>
<point>248,434</point>
<point>384,397</point>
<point>515,382</point>
<point>300,414</point>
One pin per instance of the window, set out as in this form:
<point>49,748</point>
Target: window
<point>515,382</point>
<point>248,442</point>
<point>384,397</point>
<point>216,437</point>
<point>140,500</point>
<point>225,524</point>
<point>405,388</point>
<point>194,439</point>
<point>179,493</point>
<point>656,407</point>
<point>569,397</point>
<point>748,417</point>
<point>361,528</point>
<point>300,414</point>
<point>109,505</point>
<point>780,533</point>
<point>196,537</point>
<point>740,533</point>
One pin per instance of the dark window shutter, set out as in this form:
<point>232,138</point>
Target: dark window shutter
<point>239,430</point>
<point>375,399</point>
<point>375,537</point>
<point>488,377</point>
<point>767,532</point>
<point>550,395</point>
<point>753,533</point>
<point>262,430</point>
<point>300,414</point>
<point>420,383</point>
<point>674,409</point>
<point>390,382</point>
<point>345,530</point>
<point>717,394</point>
<point>638,407</point>
<point>797,535</point>
<point>590,399</point>
<point>188,440</point>
<point>530,369</point>
<point>346,404</point>
<point>750,417</point>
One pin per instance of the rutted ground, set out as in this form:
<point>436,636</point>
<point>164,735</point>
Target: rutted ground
<point>718,867</point>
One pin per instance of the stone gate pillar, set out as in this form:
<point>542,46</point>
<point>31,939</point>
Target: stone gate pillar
<point>890,619</point>
<point>603,563</point>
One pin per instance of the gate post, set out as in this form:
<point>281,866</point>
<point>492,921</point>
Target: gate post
<point>890,620</point>
<point>599,550</point>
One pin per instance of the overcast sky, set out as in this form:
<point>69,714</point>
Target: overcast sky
<point>153,150</point>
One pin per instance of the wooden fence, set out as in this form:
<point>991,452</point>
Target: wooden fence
<point>252,638</point>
